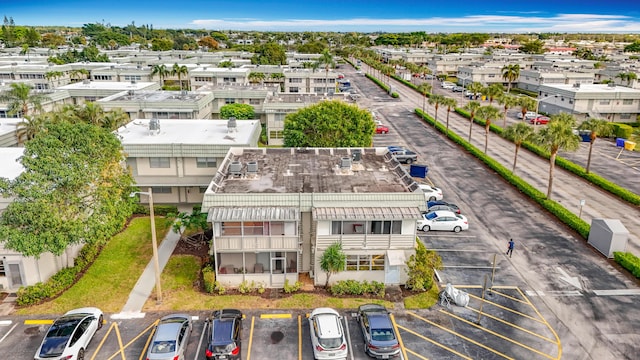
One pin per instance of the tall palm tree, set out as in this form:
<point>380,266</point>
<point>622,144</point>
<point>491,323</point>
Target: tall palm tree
<point>91,113</point>
<point>598,127</point>
<point>179,70</point>
<point>472,107</point>
<point>19,99</point>
<point>424,89</point>
<point>487,113</point>
<point>326,60</point>
<point>557,135</point>
<point>115,118</point>
<point>518,133</point>
<point>508,101</point>
<point>29,127</point>
<point>475,88</point>
<point>436,100</point>
<point>493,91</point>
<point>510,73</point>
<point>53,75</point>
<point>526,103</point>
<point>449,103</point>
<point>160,70</point>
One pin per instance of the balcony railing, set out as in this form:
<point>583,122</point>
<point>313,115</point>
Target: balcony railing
<point>270,243</point>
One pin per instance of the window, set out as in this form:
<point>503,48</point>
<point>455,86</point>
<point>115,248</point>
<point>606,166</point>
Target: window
<point>295,80</point>
<point>203,79</point>
<point>206,162</point>
<point>274,134</point>
<point>605,102</point>
<point>365,262</point>
<point>102,77</point>
<point>2,271</point>
<point>229,79</point>
<point>202,189</point>
<point>384,227</point>
<point>161,189</point>
<point>229,101</point>
<point>159,162</point>
<point>132,78</point>
<point>294,89</point>
<point>625,116</point>
<point>254,101</point>
<point>627,101</point>
<point>372,227</point>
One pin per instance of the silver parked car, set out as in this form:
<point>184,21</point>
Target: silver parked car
<point>327,336</point>
<point>70,335</point>
<point>170,338</point>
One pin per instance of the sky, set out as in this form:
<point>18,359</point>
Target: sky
<point>431,16</point>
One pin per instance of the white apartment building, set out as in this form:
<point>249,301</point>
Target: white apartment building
<point>160,104</point>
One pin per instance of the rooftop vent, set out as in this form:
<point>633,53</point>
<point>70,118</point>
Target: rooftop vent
<point>133,81</point>
<point>252,167</point>
<point>154,126</point>
<point>131,92</point>
<point>235,168</point>
<point>232,125</point>
<point>86,81</point>
<point>576,85</point>
<point>184,92</point>
<point>345,163</point>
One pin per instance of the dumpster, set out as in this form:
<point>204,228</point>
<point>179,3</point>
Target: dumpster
<point>419,171</point>
<point>620,142</point>
<point>629,145</point>
<point>585,137</point>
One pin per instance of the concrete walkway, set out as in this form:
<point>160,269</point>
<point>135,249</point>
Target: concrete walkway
<point>147,281</point>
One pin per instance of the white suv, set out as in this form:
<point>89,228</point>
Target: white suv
<point>327,335</point>
<point>447,85</point>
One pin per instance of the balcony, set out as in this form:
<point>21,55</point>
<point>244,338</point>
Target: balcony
<point>256,243</point>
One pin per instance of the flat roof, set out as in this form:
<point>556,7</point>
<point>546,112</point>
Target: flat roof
<point>313,170</point>
<point>107,85</point>
<point>592,88</point>
<point>8,125</point>
<point>9,163</point>
<point>187,131</point>
<point>157,96</point>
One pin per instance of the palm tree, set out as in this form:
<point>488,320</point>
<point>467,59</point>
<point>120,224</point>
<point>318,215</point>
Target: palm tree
<point>333,260</point>
<point>20,99</point>
<point>508,101</point>
<point>510,73</point>
<point>526,103</point>
<point>488,113</point>
<point>29,127</point>
<point>449,103</point>
<point>627,77</point>
<point>424,89</point>
<point>53,75</point>
<point>256,77</point>
<point>160,70</point>
<point>115,118</point>
<point>557,135</point>
<point>518,133</point>
<point>179,70</point>
<point>475,88</point>
<point>472,107</point>
<point>78,74</point>
<point>436,100</point>
<point>91,113</point>
<point>326,60</point>
<point>493,91</point>
<point>598,127</point>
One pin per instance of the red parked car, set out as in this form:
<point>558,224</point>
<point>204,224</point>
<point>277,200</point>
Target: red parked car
<point>540,120</point>
<point>381,129</point>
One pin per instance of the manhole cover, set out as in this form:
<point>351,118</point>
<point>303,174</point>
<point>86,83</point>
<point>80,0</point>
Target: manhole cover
<point>276,337</point>
<point>34,330</point>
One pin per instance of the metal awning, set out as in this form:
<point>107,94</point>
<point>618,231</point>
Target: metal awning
<point>366,213</point>
<point>217,214</point>
<point>396,257</point>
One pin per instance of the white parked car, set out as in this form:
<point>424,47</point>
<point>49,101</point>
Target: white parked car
<point>70,335</point>
<point>327,336</point>
<point>528,116</point>
<point>447,85</point>
<point>431,193</point>
<point>442,220</point>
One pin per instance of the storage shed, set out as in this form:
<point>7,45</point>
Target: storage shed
<point>608,235</point>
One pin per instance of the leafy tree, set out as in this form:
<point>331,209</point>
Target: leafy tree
<point>329,124</point>
<point>270,54</point>
<point>532,47</point>
<point>424,89</point>
<point>73,190</point>
<point>226,64</point>
<point>557,135</point>
<point>78,74</point>
<point>421,267</point>
<point>313,47</point>
<point>209,43</point>
<point>510,73</point>
<point>19,99</point>
<point>161,44</point>
<point>488,113</point>
<point>53,40</point>
<point>29,127</point>
<point>472,107</point>
<point>333,260</point>
<point>238,111</point>
<point>518,133</point>
<point>508,101</point>
<point>633,47</point>
<point>179,70</point>
<point>450,103</point>
<point>436,100</point>
<point>196,221</point>
<point>598,127</point>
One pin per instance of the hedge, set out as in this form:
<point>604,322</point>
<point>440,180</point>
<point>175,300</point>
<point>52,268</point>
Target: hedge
<point>159,210</point>
<point>622,130</point>
<point>628,261</point>
<point>386,88</point>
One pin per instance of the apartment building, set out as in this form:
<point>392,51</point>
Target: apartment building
<point>87,90</point>
<point>160,104</point>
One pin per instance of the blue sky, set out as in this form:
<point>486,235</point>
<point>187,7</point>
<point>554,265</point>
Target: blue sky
<point>513,16</point>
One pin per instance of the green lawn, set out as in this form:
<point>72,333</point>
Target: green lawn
<point>109,280</point>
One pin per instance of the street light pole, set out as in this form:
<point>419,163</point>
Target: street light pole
<point>154,242</point>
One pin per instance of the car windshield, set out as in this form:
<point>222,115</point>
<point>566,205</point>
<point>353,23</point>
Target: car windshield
<point>430,216</point>
<point>163,347</point>
<point>382,335</point>
<point>330,343</point>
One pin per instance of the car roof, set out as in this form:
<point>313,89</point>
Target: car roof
<point>379,321</point>
<point>441,213</point>
<point>168,330</point>
<point>222,330</point>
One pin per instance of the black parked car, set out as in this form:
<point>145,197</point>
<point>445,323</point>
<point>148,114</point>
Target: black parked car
<point>452,207</point>
<point>224,335</point>
<point>380,340</point>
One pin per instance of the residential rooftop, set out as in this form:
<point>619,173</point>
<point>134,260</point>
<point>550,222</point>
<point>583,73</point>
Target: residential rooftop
<point>107,85</point>
<point>9,162</point>
<point>157,96</point>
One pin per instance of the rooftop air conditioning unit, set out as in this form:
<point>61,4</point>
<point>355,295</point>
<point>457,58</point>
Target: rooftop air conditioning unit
<point>154,126</point>
<point>345,163</point>
<point>252,167</point>
<point>232,125</point>
<point>235,168</point>
<point>356,155</point>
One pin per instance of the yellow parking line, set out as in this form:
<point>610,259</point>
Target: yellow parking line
<point>38,322</point>
<point>433,342</point>
<point>250,337</point>
<point>395,326</point>
<point>498,335</point>
<point>461,336</point>
<point>546,323</point>
<point>508,309</point>
<point>510,324</point>
<point>416,355</point>
<point>493,291</point>
<point>299,338</point>
<point>275,316</point>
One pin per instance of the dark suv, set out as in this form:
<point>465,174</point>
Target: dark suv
<point>224,335</point>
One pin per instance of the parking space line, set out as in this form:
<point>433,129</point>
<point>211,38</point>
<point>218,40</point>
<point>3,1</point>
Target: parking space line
<point>461,336</point>
<point>204,332</point>
<point>275,316</point>
<point>545,322</point>
<point>253,319</point>
<point>482,328</point>
<point>38,322</point>
<point>9,332</point>
<point>299,337</point>
<point>393,321</point>
<point>434,342</point>
<point>508,309</point>
<point>416,355</point>
<point>493,291</point>
<point>346,326</point>
<point>484,314</point>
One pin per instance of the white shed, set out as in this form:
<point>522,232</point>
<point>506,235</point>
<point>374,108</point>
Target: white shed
<point>608,235</point>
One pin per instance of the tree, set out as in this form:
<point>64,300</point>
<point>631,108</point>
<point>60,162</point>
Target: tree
<point>160,70</point>
<point>29,127</point>
<point>238,111</point>
<point>326,60</point>
<point>424,89</point>
<point>161,44</point>
<point>472,107</point>
<point>270,54</point>
<point>449,103</point>
<point>179,70</point>
<point>526,103</point>
<point>598,127</point>
<point>532,47</point>
<point>226,64</point>
<point>508,101</point>
<point>518,133</point>
<point>557,135</point>
<point>19,99</point>
<point>487,113</point>
<point>475,88</point>
<point>633,47</point>
<point>333,260</point>
<point>420,268</point>
<point>209,43</point>
<point>436,100</point>
<point>256,77</point>
<point>510,73</point>
<point>196,221</point>
<point>78,74</point>
<point>493,91</point>
<point>73,190</point>
<point>329,124</point>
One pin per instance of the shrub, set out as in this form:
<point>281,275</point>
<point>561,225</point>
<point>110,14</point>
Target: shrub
<point>261,288</point>
<point>159,210</point>
<point>209,278</point>
<point>288,288</point>
<point>420,268</point>
<point>246,287</point>
<point>219,288</point>
<point>628,261</point>
<point>622,130</point>
<point>354,287</point>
